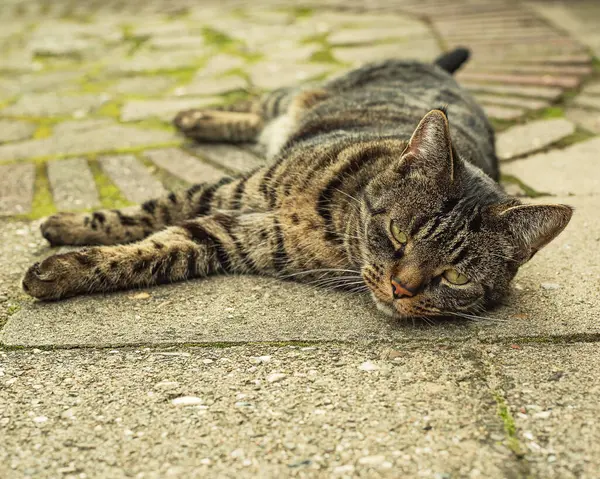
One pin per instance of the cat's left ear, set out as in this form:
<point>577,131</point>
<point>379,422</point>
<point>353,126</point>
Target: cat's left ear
<point>429,150</point>
<point>534,226</point>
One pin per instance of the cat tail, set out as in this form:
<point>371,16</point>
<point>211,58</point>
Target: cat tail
<point>453,60</point>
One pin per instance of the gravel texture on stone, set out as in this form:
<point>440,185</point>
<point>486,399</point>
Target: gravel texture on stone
<point>73,186</point>
<point>15,130</point>
<point>52,104</point>
<point>16,188</point>
<point>231,157</point>
<point>184,166</point>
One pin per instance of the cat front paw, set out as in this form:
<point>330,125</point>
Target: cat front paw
<point>51,279</point>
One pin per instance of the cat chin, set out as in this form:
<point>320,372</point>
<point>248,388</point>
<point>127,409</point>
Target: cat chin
<point>387,309</point>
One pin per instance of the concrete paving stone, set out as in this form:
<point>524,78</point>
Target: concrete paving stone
<point>591,89</point>
<point>212,310</point>
<point>256,14</point>
<point>72,183</point>
<point>523,139</point>
<point>539,68</point>
<point>50,29</point>
<point>377,33</point>
<point>163,109</point>
<point>142,85</point>
<point>577,167</point>
<point>16,188</point>
<point>587,101</point>
<point>502,112</point>
<point>19,62</point>
<point>305,413</point>
<point>81,126</point>
<point>552,392</point>
<point>188,42</point>
<point>231,157</point>
<point>271,75</point>
<point>212,86</point>
<point>15,130</point>
<point>290,51</point>
<point>131,177</point>
<point>106,138</point>
<point>219,64</point>
<point>39,82</point>
<point>543,80</point>
<point>549,93</point>
<point>526,103</point>
<point>184,166</point>
<point>66,45</point>
<point>424,50</point>
<point>589,120</point>
<point>52,104</point>
<point>162,29</point>
<point>154,60</point>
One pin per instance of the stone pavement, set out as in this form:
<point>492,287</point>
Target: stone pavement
<point>195,380</point>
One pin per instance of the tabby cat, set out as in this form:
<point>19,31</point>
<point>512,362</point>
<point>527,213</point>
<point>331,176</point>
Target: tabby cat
<point>354,195</point>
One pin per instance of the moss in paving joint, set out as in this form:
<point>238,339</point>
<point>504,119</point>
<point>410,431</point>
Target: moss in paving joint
<point>550,112</point>
<point>135,41</point>
<point>170,181</point>
<point>510,428</point>
<point>217,38</point>
<point>110,196</point>
<point>324,56</point>
<point>43,203</point>
<point>44,130</point>
<point>528,190</point>
<point>111,109</point>
<point>301,12</point>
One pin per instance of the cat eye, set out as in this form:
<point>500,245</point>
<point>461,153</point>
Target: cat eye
<point>397,233</point>
<point>455,277</point>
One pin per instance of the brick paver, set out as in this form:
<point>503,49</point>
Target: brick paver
<point>16,188</point>
<point>132,177</point>
<point>72,183</point>
<point>183,165</point>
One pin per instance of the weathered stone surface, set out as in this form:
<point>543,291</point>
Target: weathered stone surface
<point>16,188</point>
<point>40,82</point>
<point>549,93</point>
<point>155,60</point>
<point>212,86</point>
<point>72,183</point>
<point>18,62</point>
<point>377,33</point>
<point>577,167</point>
<point>588,101</point>
<point>194,43</point>
<point>523,139</point>
<point>271,75</point>
<point>142,85</point>
<point>231,157</point>
<point>430,410</point>
<point>551,392</point>
<point>588,119</point>
<point>289,51</point>
<point>219,64</point>
<point>544,80</point>
<point>591,89</point>
<point>162,109</point>
<point>425,49</point>
<point>15,130</point>
<point>502,113</point>
<point>527,103</point>
<point>52,104</point>
<point>73,142</point>
<point>132,178</point>
<point>184,166</point>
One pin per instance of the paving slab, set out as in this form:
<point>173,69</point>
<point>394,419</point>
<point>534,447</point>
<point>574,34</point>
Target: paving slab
<point>273,74</point>
<point>15,130</point>
<point>212,86</point>
<point>183,165</point>
<point>503,112</point>
<point>587,119</point>
<point>552,390</point>
<point>142,85</point>
<point>16,188</point>
<point>231,157</point>
<point>576,166</point>
<point>131,177</point>
<point>73,142</point>
<point>549,93</point>
<point>72,183</point>
<point>52,104</point>
<point>163,109</point>
<point>321,411</point>
<point>425,50</point>
<point>519,102</point>
<point>378,33</point>
<point>587,101</point>
<point>523,139</point>
<point>212,310</point>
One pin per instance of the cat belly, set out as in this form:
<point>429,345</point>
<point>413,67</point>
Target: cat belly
<point>276,133</point>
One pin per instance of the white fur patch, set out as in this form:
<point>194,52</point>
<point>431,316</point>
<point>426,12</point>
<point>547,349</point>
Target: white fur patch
<point>275,134</point>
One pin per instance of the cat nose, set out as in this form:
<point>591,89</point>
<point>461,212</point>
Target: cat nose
<point>403,290</point>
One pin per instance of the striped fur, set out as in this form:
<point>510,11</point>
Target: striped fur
<point>345,161</point>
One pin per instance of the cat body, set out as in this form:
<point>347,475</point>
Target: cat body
<point>368,187</point>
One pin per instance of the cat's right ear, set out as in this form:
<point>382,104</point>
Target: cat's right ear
<point>429,152</point>
<point>534,226</point>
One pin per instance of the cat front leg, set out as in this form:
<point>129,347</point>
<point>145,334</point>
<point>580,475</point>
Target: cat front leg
<point>197,248</point>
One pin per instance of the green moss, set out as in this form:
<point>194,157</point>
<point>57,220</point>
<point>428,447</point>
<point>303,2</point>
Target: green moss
<point>323,56</point>
<point>44,130</point>
<point>134,41</point>
<point>303,12</point>
<point>578,136</point>
<point>110,196</point>
<point>43,203</point>
<point>551,112</point>
<point>170,181</point>
<point>235,96</point>
<point>320,38</point>
<point>111,109</point>
<point>13,308</point>
<point>510,428</point>
<point>216,37</point>
<point>528,190</point>
<point>595,65</point>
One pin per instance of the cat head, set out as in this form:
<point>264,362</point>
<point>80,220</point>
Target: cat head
<point>439,236</point>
